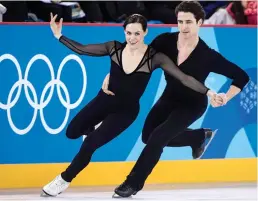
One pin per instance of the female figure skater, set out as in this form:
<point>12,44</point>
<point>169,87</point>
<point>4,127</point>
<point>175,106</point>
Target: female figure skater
<point>132,63</point>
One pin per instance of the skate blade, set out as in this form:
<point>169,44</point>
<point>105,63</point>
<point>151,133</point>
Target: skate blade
<point>207,145</point>
<point>118,196</point>
<point>44,194</point>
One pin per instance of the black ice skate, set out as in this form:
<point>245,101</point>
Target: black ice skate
<point>124,190</point>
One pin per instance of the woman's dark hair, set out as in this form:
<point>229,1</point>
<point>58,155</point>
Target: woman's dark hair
<point>238,10</point>
<point>136,18</point>
<point>193,7</point>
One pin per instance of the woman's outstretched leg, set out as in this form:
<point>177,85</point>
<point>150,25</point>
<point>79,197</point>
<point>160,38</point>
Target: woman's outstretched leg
<point>110,128</point>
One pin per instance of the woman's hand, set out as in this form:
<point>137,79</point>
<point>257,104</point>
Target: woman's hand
<point>56,28</point>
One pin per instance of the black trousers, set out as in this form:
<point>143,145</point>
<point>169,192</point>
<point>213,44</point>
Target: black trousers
<point>166,125</point>
<point>159,114</point>
<point>116,116</point>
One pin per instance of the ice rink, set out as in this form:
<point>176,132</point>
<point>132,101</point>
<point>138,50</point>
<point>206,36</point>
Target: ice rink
<point>173,192</point>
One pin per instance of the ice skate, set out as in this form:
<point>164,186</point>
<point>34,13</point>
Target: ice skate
<point>209,135</point>
<point>124,191</point>
<point>55,187</point>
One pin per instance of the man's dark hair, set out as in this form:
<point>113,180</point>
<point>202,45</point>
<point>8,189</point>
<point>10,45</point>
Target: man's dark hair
<point>193,7</point>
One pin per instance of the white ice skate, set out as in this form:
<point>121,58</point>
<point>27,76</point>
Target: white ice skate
<point>55,187</point>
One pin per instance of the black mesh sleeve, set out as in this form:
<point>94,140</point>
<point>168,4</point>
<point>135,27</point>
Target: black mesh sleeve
<point>161,60</point>
<point>102,49</point>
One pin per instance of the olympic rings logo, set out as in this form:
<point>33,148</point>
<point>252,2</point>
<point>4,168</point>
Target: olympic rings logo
<point>39,105</point>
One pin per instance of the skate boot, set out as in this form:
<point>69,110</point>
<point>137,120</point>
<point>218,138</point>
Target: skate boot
<point>124,190</point>
<point>209,135</point>
<point>55,187</point>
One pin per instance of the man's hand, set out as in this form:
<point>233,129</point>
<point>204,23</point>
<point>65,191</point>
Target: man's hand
<point>105,86</point>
